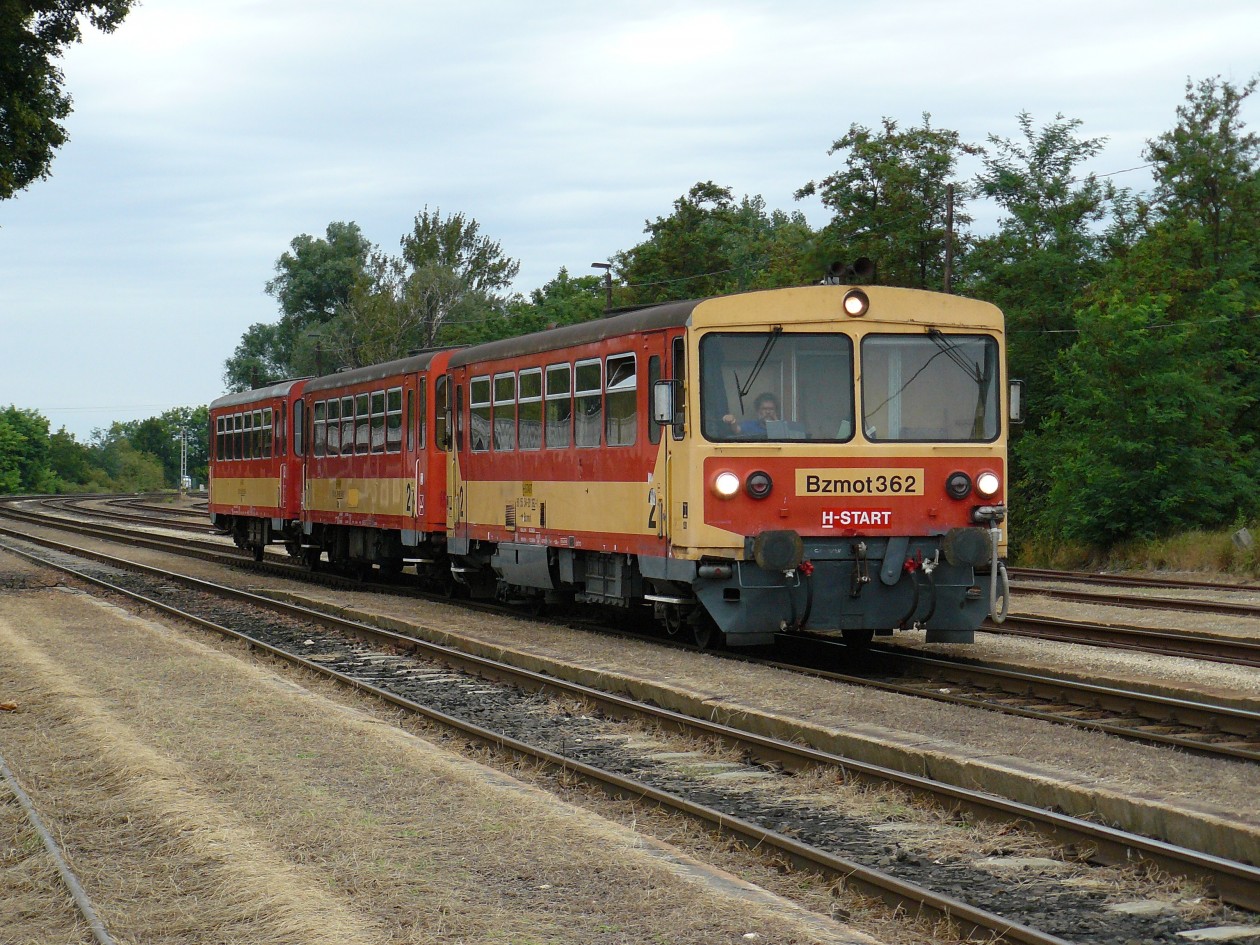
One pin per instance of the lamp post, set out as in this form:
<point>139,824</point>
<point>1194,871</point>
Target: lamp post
<point>607,267</point>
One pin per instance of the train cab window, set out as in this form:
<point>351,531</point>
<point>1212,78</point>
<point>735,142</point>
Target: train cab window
<point>479,414</point>
<point>282,430</point>
<point>559,433</point>
<point>378,421</point>
<point>776,385</point>
<point>421,418</point>
<point>299,447</point>
<point>503,412</point>
<point>362,424</point>
<point>679,358</point>
<point>347,426</point>
<point>319,428</point>
<point>930,386</point>
<point>529,412</point>
<point>441,413</point>
<point>410,421</point>
<point>588,399</point>
<point>654,375</point>
<point>333,437</point>
<point>393,420</point>
<point>620,401</point>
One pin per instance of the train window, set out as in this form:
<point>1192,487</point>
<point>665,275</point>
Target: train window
<point>362,423</point>
<point>319,428</point>
<point>247,441</point>
<point>378,421</point>
<point>503,412</point>
<point>347,426</point>
<point>930,386</point>
<point>393,420</point>
<point>529,414</point>
<point>479,414</point>
<point>559,433</point>
<point>298,443</point>
<point>268,431</point>
<point>218,438</point>
<point>588,402</point>
<point>238,436</point>
<point>333,437</point>
<point>258,434</point>
<point>680,375</point>
<point>620,401</point>
<point>776,385</point>
<point>441,413</point>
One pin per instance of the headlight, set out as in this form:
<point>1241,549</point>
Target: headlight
<point>856,303</point>
<point>726,484</point>
<point>987,484</point>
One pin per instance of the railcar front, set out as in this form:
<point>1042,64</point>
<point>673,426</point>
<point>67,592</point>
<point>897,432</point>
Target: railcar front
<point>838,465</point>
<point>256,466</point>
<point>375,492</point>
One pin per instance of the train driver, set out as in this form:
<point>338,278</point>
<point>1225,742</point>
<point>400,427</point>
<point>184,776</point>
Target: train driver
<point>765,409</point>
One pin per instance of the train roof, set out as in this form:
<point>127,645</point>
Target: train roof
<point>240,398</point>
<point>419,361</point>
<point>667,315</point>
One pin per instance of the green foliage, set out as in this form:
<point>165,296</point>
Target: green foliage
<point>888,201</point>
<point>24,447</point>
<point>313,282</point>
<point>33,103</point>
<point>1141,445</point>
<point>711,245</point>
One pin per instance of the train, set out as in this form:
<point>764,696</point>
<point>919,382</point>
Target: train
<point>826,459</point>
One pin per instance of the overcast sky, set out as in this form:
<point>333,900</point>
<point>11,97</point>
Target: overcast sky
<point>206,136</point>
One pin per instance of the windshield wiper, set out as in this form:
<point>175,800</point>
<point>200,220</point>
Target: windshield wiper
<point>745,387</point>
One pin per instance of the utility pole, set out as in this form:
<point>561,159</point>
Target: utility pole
<point>949,236</point>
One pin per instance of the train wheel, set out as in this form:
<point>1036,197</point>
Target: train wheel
<point>673,620</point>
<point>310,558</point>
<point>257,551</point>
<point>704,631</point>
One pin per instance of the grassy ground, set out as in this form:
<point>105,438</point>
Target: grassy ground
<point>1228,552</point>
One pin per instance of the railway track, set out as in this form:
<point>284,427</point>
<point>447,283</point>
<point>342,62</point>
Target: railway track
<point>1205,728</point>
<point>420,677</point>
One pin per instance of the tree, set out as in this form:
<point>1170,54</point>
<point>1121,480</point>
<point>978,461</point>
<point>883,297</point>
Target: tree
<point>1206,173</point>
<point>33,102</point>
<point>313,280</point>
<point>456,277</point>
<point>24,452</point>
<point>712,245</point>
<point>889,201</point>
<point>1141,445</point>
<point>1048,248</point>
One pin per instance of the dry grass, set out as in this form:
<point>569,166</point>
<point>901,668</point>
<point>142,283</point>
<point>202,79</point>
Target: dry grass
<point>202,800</point>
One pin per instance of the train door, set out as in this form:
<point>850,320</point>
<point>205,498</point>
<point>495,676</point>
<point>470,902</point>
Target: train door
<point>673,485</point>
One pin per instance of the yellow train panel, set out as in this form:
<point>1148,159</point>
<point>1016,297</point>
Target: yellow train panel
<point>362,496</point>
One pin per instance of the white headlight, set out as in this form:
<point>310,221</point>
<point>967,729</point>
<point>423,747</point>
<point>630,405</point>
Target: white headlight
<point>726,484</point>
<point>987,483</point>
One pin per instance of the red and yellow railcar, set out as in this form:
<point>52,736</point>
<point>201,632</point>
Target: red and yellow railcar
<point>256,465</point>
<point>830,458</point>
<point>375,491</point>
